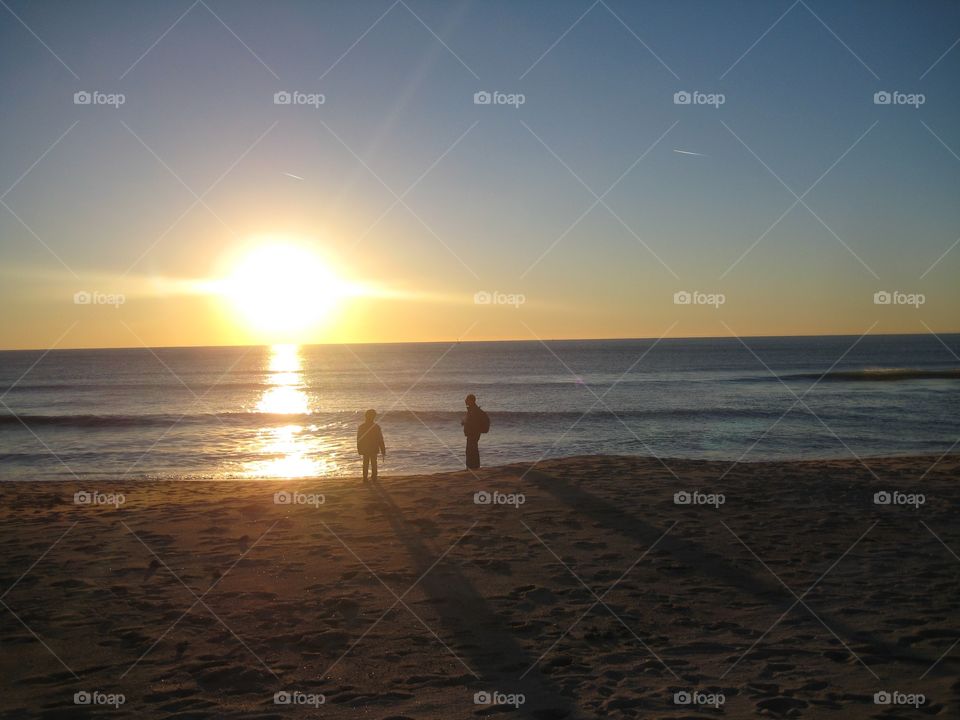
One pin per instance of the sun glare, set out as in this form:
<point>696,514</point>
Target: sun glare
<point>285,451</point>
<point>283,289</point>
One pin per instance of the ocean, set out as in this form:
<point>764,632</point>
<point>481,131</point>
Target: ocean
<point>292,411</point>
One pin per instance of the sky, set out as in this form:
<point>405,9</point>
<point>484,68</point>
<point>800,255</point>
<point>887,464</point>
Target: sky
<point>586,200</point>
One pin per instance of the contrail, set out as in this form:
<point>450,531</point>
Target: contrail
<point>295,177</point>
<point>687,152</point>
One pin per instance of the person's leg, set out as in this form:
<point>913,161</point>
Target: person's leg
<point>366,464</point>
<point>473,453</point>
<point>373,467</point>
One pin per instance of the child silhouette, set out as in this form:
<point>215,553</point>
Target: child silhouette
<point>369,443</point>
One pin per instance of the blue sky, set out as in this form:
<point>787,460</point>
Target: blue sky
<point>501,209</point>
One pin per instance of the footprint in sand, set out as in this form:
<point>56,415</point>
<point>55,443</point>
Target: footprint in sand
<point>500,567</point>
<point>151,569</point>
<point>235,678</point>
<point>343,608</point>
<point>782,706</point>
<point>840,656</point>
<point>589,545</point>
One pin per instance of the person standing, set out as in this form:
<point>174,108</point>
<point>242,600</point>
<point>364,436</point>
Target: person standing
<point>369,443</point>
<point>475,423</point>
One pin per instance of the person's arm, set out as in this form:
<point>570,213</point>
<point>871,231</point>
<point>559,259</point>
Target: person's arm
<point>359,433</point>
<point>383,448</point>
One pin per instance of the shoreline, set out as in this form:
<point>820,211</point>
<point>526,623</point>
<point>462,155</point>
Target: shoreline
<point>661,460</point>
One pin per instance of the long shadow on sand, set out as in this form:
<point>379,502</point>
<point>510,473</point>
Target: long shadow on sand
<point>705,562</point>
<point>473,629</point>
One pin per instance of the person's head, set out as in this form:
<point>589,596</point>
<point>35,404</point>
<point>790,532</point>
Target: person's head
<point>471,400</point>
<point>370,415</point>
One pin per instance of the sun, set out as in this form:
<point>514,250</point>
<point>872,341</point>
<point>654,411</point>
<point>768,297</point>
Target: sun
<point>283,289</point>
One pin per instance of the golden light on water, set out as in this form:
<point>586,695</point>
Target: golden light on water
<point>286,397</point>
<point>287,456</point>
<point>284,401</point>
<point>286,451</point>
<point>285,359</point>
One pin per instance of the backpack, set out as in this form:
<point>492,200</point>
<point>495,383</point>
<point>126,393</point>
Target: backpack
<point>484,421</point>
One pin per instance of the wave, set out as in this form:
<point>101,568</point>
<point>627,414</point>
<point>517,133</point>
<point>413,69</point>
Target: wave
<point>347,417</point>
<point>879,375</point>
<point>171,384</point>
<point>157,419</point>
<point>309,383</point>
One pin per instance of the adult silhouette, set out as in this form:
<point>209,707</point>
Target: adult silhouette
<point>475,423</point>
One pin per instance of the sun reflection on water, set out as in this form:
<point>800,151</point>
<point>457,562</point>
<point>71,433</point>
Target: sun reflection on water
<point>285,451</point>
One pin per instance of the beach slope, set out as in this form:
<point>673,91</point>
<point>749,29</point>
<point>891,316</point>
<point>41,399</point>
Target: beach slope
<point>582,587</point>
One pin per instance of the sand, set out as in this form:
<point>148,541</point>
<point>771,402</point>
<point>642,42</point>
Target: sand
<point>597,596</point>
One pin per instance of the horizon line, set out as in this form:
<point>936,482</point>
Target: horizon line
<point>460,341</point>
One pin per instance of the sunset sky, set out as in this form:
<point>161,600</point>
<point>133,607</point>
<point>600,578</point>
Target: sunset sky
<point>211,209</point>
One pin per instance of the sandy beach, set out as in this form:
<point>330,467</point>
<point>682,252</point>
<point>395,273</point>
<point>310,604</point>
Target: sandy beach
<point>583,588</point>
